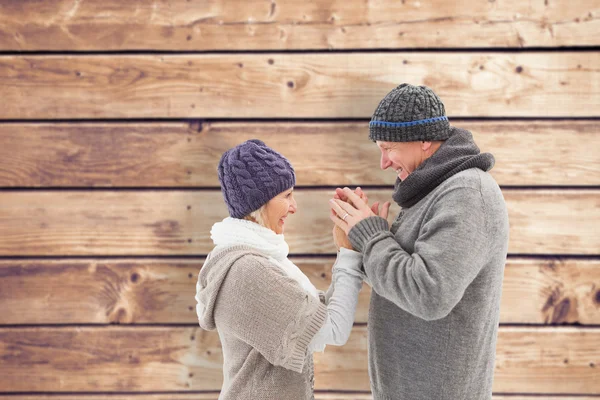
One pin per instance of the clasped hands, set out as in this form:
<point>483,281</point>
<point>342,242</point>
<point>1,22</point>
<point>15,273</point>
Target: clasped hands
<point>348,208</point>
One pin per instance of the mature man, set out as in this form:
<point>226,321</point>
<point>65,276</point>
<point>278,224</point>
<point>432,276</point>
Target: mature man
<point>437,272</point>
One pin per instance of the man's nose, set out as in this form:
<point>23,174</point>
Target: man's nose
<point>385,162</point>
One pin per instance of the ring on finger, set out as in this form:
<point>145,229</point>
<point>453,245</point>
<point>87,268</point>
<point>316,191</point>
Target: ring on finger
<point>345,216</point>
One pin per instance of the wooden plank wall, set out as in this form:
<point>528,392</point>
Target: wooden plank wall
<point>114,115</point>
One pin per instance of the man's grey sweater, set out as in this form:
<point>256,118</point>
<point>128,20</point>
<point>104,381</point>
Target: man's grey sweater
<point>437,281</point>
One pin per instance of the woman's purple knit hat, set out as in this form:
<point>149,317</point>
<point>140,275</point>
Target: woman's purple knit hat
<point>251,174</point>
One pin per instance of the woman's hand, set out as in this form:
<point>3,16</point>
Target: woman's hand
<point>341,239</point>
<point>349,208</point>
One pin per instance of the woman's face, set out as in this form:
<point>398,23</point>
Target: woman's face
<point>277,210</point>
<point>403,157</point>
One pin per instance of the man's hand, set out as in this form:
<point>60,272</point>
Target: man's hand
<point>349,208</point>
<point>339,236</point>
<point>340,195</point>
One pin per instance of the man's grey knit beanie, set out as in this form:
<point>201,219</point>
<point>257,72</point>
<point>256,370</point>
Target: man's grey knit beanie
<point>408,114</point>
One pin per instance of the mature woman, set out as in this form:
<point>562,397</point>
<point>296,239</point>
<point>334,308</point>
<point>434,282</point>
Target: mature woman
<point>437,271</point>
<point>269,316</point>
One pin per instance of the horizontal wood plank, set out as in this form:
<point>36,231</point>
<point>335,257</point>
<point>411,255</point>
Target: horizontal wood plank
<point>44,223</point>
<point>550,356</point>
<point>86,359</point>
<point>214,396</point>
<point>541,219</point>
<point>323,24</point>
<point>535,291</point>
<point>551,291</point>
<point>186,155</point>
<point>335,85</point>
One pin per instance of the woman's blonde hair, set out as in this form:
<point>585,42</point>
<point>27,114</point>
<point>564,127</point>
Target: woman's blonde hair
<point>257,216</point>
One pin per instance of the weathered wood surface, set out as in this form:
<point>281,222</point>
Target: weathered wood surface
<point>262,25</point>
<point>534,220</point>
<point>87,359</point>
<point>548,357</point>
<point>535,291</point>
<point>186,155</point>
<point>551,291</point>
<point>207,396</point>
<point>335,85</point>
<point>35,223</point>
<point>214,396</point>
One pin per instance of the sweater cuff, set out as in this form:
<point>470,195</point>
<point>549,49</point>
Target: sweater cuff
<point>362,232</point>
<point>315,322</point>
<point>348,261</point>
<point>348,257</point>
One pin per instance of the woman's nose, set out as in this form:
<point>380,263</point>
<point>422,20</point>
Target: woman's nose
<point>293,206</point>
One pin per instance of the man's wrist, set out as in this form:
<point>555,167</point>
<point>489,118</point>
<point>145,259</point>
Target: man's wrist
<point>365,229</point>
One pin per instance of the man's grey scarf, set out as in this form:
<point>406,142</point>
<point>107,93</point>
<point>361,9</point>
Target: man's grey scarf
<point>458,153</point>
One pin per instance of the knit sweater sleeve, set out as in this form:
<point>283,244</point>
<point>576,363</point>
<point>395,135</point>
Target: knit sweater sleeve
<point>342,299</point>
<point>269,311</point>
<point>448,255</point>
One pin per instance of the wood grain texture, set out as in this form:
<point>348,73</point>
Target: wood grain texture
<point>534,221</point>
<point>186,154</point>
<point>336,85</point>
<point>322,24</point>
<point>178,222</point>
<point>100,291</point>
<point>551,291</point>
<point>550,356</point>
<point>194,396</point>
<point>86,359</point>
<point>214,396</point>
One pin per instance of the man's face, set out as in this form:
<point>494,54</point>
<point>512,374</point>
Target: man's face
<point>402,157</point>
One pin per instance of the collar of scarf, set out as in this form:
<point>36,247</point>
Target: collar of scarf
<point>458,153</point>
<point>234,231</point>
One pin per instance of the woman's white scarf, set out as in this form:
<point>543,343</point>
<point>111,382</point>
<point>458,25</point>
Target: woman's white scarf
<point>234,231</point>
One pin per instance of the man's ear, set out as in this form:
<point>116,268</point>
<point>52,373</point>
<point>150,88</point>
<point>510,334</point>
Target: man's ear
<point>425,145</point>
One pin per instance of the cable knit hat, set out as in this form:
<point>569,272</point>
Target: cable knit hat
<point>408,114</point>
<point>251,174</point>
